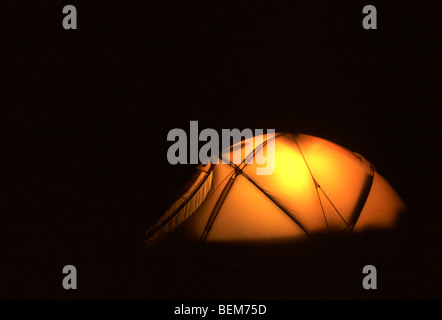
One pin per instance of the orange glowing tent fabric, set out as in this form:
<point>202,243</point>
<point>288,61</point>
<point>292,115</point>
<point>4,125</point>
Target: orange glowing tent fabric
<point>317,187</point>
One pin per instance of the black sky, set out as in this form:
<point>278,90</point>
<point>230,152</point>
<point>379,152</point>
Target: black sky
<point>86,114</point>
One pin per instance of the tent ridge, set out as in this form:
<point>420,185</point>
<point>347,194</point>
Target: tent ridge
<point>315,182</point>
<point>337,211</point>
<point>218,206</point>
<point>363,197</point>
<point>276,203</point>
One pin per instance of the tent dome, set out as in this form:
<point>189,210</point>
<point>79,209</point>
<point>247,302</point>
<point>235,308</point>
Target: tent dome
<point>316,187</point>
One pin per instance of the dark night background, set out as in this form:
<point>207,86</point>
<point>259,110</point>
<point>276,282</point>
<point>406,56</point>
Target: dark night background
<point>85,114</point>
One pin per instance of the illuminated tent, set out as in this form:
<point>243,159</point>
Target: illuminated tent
<point>317,187</point>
